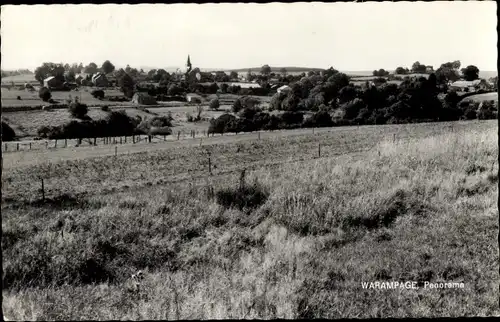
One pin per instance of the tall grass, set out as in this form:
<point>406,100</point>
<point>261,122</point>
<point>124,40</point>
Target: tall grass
<point>422,209</point>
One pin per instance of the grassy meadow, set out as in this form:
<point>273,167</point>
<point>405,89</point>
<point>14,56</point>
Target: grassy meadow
<point>294,238</point>
<point>31,98</point>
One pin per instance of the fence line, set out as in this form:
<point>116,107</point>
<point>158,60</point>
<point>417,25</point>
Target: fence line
<point>112,140</point>
<point>14,146</point>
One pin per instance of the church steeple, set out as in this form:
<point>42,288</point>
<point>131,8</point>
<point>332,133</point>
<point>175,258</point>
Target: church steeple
<point>188,64</point>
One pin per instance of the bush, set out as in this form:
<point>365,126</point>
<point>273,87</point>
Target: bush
<point>292,118</point>
<point>214,104</point>
<point>44,94</point>
<point>243,197</point>
<point>105,108</point>
<point>249,112</point>
<point>221,124</point>
<point>98,93</point>
<point>319,119</point>
<point>352,108</point>
<point>78,110</point>
<point>117,123</point>
<point>8,133</point>
<point>244,102</point>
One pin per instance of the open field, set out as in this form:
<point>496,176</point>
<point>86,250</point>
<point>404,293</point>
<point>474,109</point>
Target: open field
<point>31,98</point>
<point>27,123</point>
<point>20,79</point>
<point>483,97</point>
<point>422,208</point>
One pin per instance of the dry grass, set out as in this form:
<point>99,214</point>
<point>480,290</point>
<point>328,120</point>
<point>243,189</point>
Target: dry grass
<point>422,209</point>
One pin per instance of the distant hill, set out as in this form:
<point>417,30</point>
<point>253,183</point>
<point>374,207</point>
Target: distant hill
<point>276,69</point>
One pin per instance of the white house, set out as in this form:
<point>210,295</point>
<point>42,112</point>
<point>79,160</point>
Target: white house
<point>462,84</point>
<point>246,85</point>
<point>284,89</point>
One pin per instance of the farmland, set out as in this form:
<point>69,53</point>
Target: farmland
<point>483,97</point>
<point>31,98</point>
<point>379,203</point>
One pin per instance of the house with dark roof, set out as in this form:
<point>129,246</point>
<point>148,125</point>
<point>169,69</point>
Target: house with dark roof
<point>100,80</point>
<point>142,98</point>
<point>51,82</point>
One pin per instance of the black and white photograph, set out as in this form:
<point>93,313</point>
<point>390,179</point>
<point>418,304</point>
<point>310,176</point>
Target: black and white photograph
<point>242,161</point>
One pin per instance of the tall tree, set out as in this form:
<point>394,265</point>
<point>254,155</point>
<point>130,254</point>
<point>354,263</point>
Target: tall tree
<point>108,67</point>
<point>126,83</point>
<point>265,70</point>
<point>91,68</point>
<point>249,75</point>
<point>470,73</point>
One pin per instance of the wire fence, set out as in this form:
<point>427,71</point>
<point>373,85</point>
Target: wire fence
<point>50,144</point>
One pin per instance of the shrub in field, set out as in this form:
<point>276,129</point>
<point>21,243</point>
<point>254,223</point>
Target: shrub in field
<point>249,112</point>
<point>292,118</point>
<point>214,104</point>
<point>156,125</point>
<point>117,123</point>
<point>98,93</point>
<point>487,110</point>
<point>44,94</point>
<point>221,124</point>
<point>243,197</point>
<point>8,133</point>
<point>105,108</point>
<point>19,98</point>
<point>244,102</point>
<point>78,110</point>
<point>164,130</point>
<point>319,119</point>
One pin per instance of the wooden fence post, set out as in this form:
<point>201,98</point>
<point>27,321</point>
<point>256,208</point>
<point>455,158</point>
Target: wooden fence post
<point>95,143</point>
<point>65,142</point>
<point>394,138</point>
<point>178,134</point>
<point>116,150</point>
<point>46,145</point>
<point>149,138</point>
<point>18,147</point>
<point>259,134</point>
<point>43,191</point>
<point>209,165</point>
<point>313,130</point>
<point>133,138</point>
<point>164,137</point>
<point>319,150</point>
<point>30,145</point>
<point>55,145</point>
<point>125,139</point>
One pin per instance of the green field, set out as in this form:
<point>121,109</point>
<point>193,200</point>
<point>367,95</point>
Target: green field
<point>420,208</point>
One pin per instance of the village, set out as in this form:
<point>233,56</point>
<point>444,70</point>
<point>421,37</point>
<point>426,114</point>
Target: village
<point>249,161</point>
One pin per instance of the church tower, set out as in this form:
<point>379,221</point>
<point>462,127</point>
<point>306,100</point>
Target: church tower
<point>188,65</point>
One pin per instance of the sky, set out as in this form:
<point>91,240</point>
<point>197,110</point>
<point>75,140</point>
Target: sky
<point>347,36</point>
